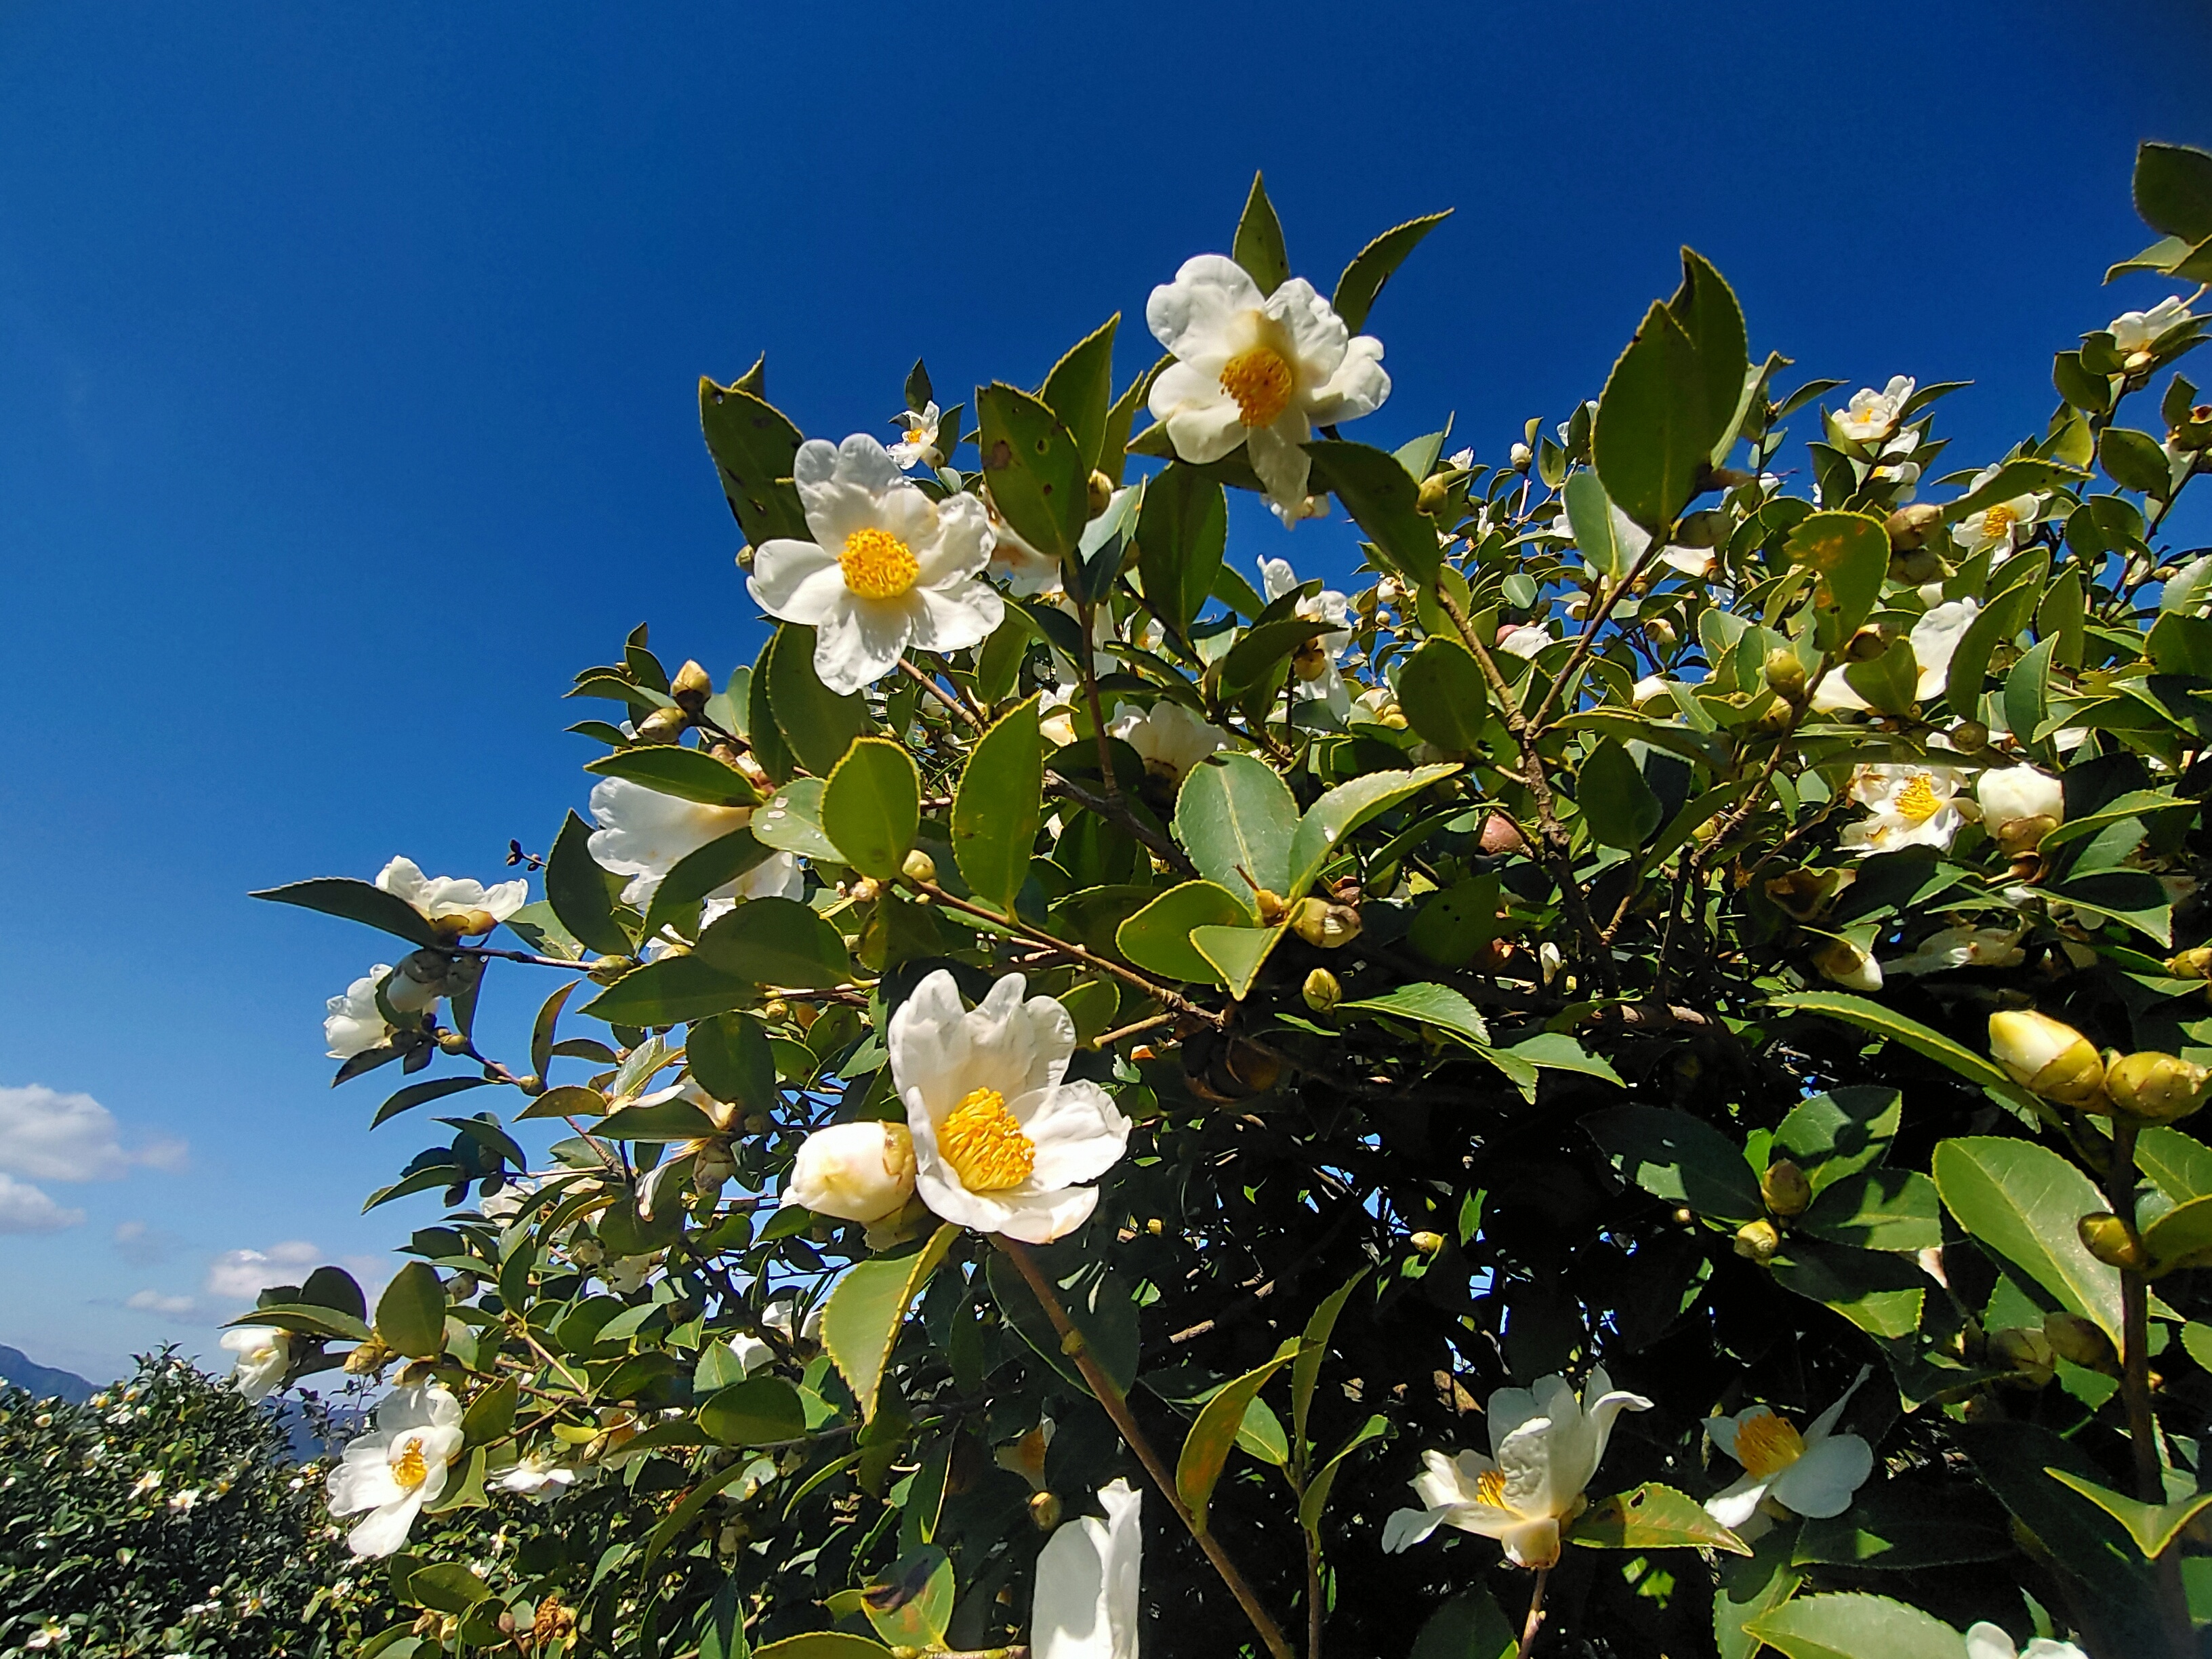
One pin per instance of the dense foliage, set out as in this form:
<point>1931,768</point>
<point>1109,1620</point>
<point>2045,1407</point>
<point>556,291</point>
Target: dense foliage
<point>1659,1020</point>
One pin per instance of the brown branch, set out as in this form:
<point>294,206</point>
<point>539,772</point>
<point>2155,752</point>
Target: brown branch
<point>1117,809</point>
<point>928,683</point>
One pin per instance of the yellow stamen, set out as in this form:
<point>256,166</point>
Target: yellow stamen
<point>877,564</point>
<point>1261,381</point>
<point>409,1469</point>
<point>1918,802</point>
<point>1766,1444</point>
<point>1997,521</point>
<point>984,1144</point>
<point>1490,1488</point>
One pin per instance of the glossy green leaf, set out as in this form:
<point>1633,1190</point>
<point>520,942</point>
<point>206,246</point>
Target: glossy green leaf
<point>2023,1201</point>
<point>1591,514</point>
<point>821,1643</point>
<point>669,991</point>
<point>1158,937</point>
<point>1313,1350</point>
<point>700,873</point>
<point>411,1314</point>
<point>2177,1162</point>
<point>790,821</point>
<point>312,1318</point>
<point>775,941</point>
<point>356,901</point>
<point>1362,283</point>
<point>1437,1006</point>
<point>1235,818</point>
<point>1342,810</point>
<point>1323,1481</point>
<point>581,893</point>
<point>664,1120</point>
<point>1908,1524</point>
<point>1259,244</point>
<point>817,724</point>
<point>669,768</point>
<point>2002,617</point>
<point>1652,1517</point>
<point>2135,461</point>
<point>1882,1294</point>
<point>1035,469</point>
<point>910,1602</point>
<point>446,1587</point>
<point>1237,953</point>
<point>1678,1157</point>
<point>998,807</point>
<point>1854,1626</point>
<point>759,1411</point>
<point>2183,1234</point>
<point>730,1058</point>
<point>1886,1023</point>
<point>1181,529</point>
<point>1443,696</point>
<point>1205,1448</point>
<point>862,1318</point>
<point>2152,1526</point>
<point>1616,803</point>
<point>872,806</point>
<point>1878,1210</point>
<point>1468,1626</point>
<point>1383,501</point>
<point>1652,440</point>
<point>2173,190</point>
<point>1840,1133</point>
<point>755,451</point>
<point>1849,555</point>
<point>1080,389</point>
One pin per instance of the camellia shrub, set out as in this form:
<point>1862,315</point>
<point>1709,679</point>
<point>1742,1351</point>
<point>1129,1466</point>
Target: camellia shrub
<point>1623,1089</point>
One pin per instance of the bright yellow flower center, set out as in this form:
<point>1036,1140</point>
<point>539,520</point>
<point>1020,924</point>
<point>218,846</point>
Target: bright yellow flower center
<point>1261,381</point>
<point>877,564</point>
<point>1490,1488</point>
<point>409,1469</point>
<point>1766,1444</point>
<point>1918,802</point>
<point>984,1144</point>
<point>1997,521</point>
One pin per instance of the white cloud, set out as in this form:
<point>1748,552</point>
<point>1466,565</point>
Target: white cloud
<point>51,1136</point>
<point>241,1275</point>
<point>154,1301</point>
<point>25,1209</point>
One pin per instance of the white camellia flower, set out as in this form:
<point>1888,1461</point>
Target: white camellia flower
<point>2021,804</point>
<point>1087,1578</point>
<point>1814,1474</point>
<point>626,1275</point>
<point>642,834</point>
<point>778,1315</point>
<point>540,1476</point>
<point>1315,678</point>
<point>2134,333</point>
<point>1934,639</point>
<point>1998,526</point>
<point>1907,807</point>
<point>1000,1141</point>
<point>1261,371</point>
<point>1524,641</point>
<point>917,444</point>
<point>1167,737</point>
<point>353,1023</point>
<point>1545,1446</point>
<point>263,1354</point>
<point>1871,414</point>
<point>856,1171</point>
<point>1056,715</point>
<point>1961,947</point>
<point>451,895</point>
<point>887,568</point>
<point>395,1471</point>
<point>1988,1641</point>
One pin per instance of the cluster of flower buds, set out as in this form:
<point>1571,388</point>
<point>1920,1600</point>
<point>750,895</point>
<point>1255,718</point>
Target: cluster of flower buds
<point>2060,1064</point>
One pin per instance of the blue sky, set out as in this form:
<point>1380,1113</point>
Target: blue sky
<point>347,370</point>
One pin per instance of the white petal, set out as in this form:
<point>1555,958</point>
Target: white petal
<point>1988,1641</point>
<point>955,617</point>
<point>1821,1482</point>
<point>1316,334</point>
<point>386,1530</point>
<point>1283,467</point>
<point>795,581</point>
<point>1203,433</point>
<point>858,641</point>
<point>1733,1505</point>
<point>1532,1543</point>
<point>1190,315</point>
<point>1359,385</point>
<point>1407,1527</point>
<point>1079,1135</point>
<point>959,543</point>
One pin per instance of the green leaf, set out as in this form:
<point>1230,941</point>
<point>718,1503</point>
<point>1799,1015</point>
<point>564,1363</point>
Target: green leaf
<point>818,723</point>
<point>1854,1626</point>
<point>2152,1526</point>
<point>667,993</point>
<point>1652,440</point>
<point>755,450</point>
<point>872,806</point>
<point>1205,1448</point>
<point>1235,818</point>
<point>1080,389</point>
<point>1904,1524</point>
<point>1849,555</point>
<point>1468,1626</point>
<point>446,1587</point>
<point>669,768</point>
<point>2028,691</point>
<point>1442,694</point>
<point>491,1416</point>
<point>1316,1501</point>
<point>1888,1024</point>
<point>1591,514</point>
<point>1881,1294</point>
<point>1840,1133</point>
<point>664,1120</point>
<point>1313,1349</point>
<point>356,901</point>
<point>1680,1158</point>
<point>1181,529</point>
<point>1383,500</point>
<point>1362,283</point>
<point>910,1602</point>
<point>411,1314</point>
<point>1616,803</point>
<point>998,807</point>
<point>1889,680</point>
<point>1878,1210</point>
<point>1437,1006</point>
<point>1158,937</point>
<point>1707,308</point>
<point>731,1059</point>
<point>1253,670</point>
<point>581,893</point>
<point>2001,618</point>
<point>699,872</point>
<point>2173,190</point>
<point>790,821</point>
<point>418,1094</point>
<point>759,1411</point>
<point>2023,1201</point>
<point>2180,1164</point>
<point>2181,1234</point>
<point>2022,475</point>
<point>1342,810</point>
<point>2135,461</point>
<point>312,1318</point>
<point>862,1318</point>
<point>775,941</point>
<point>1113,453</point>
<point>1237,953</point>
<point>1033,466</point>
<point>1652,1517</point>
<point>1259,245</point>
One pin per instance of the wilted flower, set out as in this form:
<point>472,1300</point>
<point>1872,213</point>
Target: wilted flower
<point>1934,639</point>
<point>1814,1474</point>
<point>917,445</point>
<point>1960,947</point>
<point>857,1171</point>
<point>1871,414</point>
<point>540,1476</point>
<point>1000,1139</point>
<point>437,896</point>
<point>353,1023</point>
<point>396,1470</point>
<point>1545,1446</point>
<point>1908,807</point>
<point>642,834</point>
<point>2000,524</point>
<point>263,1354</point>
<point>2020,805</point>
<point>1167,738</point>
<point>2134,333</point>
<point>1087,1578</point>
<point>1261,371</point>
<point>887,568</point>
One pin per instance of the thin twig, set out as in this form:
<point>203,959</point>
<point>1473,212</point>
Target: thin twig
<point>928,683</point>
<point>1535,1620</point>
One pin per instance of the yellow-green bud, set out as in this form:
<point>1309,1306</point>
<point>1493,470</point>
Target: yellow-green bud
<point>2112,1241</point>
<point>1330,926</point>
<point>1101,493</point>
<point>662,725</point>
<point>368,1358</point>
<point>1759,1241</point>
<point>691,688</point>
<point>1660,633</point>
<point>2080,1340</point>
<point>2156,1087</point>
<point>2193,963</point>
<point>453,1043</point>
<point>1044,1511</point>
<point>2048,1056</point>
<point>1435,493</point>
<point>1864,646</point>
<point>1918,567</point>
<point>1911,526</point>
<point>2026,1351</point>
<point>1426,1244</point>
<point>1321,991</point>
<point>531,1084</point>
<point>919,867</point>
<point>1785,672</point>
<point>866,890</point>
<point>1967,736</point>
<point>1784,1187</point>
<point>607,969</point>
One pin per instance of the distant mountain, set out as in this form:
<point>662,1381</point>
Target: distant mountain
<point>42,1380</point>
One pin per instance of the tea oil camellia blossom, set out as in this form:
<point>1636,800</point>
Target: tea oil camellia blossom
<point>393,1472</point>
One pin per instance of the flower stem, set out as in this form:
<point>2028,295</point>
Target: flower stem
<point>1109,1395</point>
<point>1535,1620</point>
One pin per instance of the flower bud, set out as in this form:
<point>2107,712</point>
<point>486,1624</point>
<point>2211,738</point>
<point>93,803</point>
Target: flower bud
<point>866,890</point>
<point>1425,1243</point>
<point>2080,1340</point>
<point>919,867</point>
<point>713,1164</point>
<point>1661,633</point>
<point>1044,1511</point>
<point>1785,672</point>
<point>1842,962</point>
<point>2156,1087</point>
<point>1270,905</point>
<point>1321,991</point>
<point>1101,491</point>
<point>1864,646</point>
<point>1329,926</point>
<point>368,1358</point>
<point>2112,1241</point>
<point>607,969</point>
<point>1785,1189</point>
<point>662,725</point>
<point>1917,567</point>
<point>691,688</point>
<point>1909,527</point>
<point>2193,963</point>
<point>1434,495</point>
<point>1967,736</point>
<point>453,1043</point>
<point>2050,1057</point>
<point>1759,1241</point>
<point>1501,835</point>
<point>2027,1352</point>
<point>855,1171</point>
<point>1519,457</point>
<point>2020,805</point>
